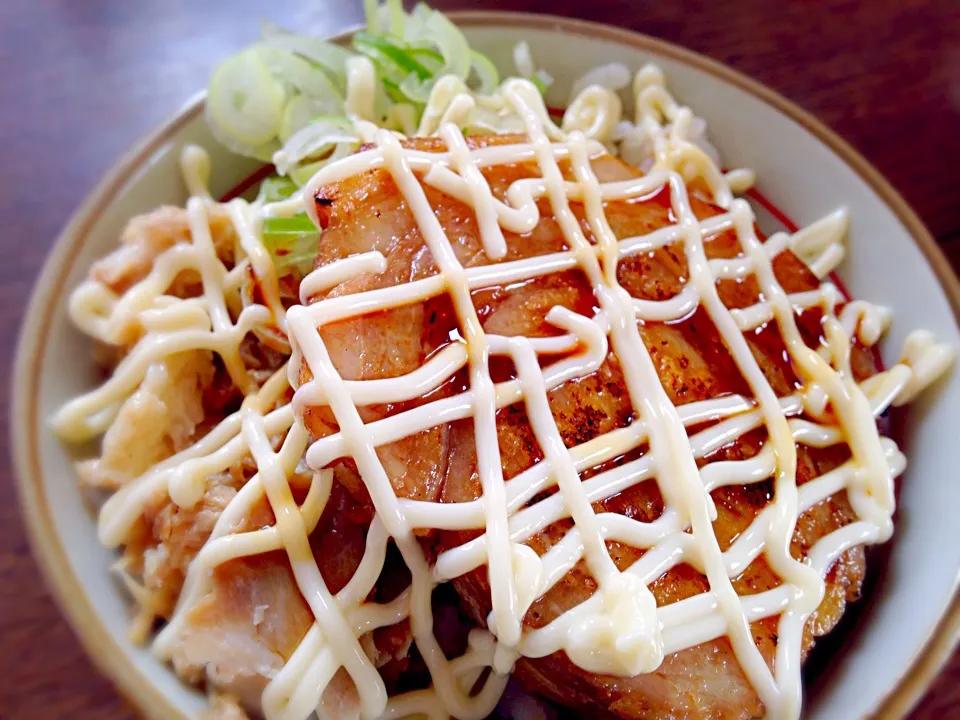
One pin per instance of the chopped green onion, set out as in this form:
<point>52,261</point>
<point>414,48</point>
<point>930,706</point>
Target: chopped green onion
<point>294,252</point>
<point>385,53</point>
<point>276,188</point>
<point>262,96</point>
<point>431,56</point>
<point>427,28</point>
<point>451,43</point>
<point>313,141</point>
<point>485,72</point>
<point>523,59</point>
<point>298,224</point>
<point>296,114</point>
<point>539,83</point>
<point>283,99</point>
<point>245,104</point>
<point>393,91</point>
<point>291,241</point>
<point>301,75</point>
<point>302,173</point>
<point>421,12</point>
<point>396,17</point>
<point>402,116</point>
<point>302,111</point>
<point>370,12</point>
<point>329,57</point>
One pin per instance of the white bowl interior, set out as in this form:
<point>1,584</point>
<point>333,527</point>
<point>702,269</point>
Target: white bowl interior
<point>800,175</point>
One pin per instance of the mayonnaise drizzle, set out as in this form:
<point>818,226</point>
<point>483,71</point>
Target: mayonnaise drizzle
<point>619,630</point>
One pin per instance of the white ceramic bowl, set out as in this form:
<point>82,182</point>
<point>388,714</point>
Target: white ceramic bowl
<point>910,622</point>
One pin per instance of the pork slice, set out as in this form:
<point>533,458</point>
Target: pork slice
<point>147,236</point>
<point>238,635</point>
<point>156,421</point>
<point>367,212</point>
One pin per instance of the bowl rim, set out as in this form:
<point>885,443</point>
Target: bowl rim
<point>66,587</point>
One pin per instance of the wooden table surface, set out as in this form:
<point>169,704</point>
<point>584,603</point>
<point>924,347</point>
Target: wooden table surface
<point>80,81</point>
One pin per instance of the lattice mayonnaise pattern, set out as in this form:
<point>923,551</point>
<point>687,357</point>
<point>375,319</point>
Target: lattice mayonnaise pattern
<point>619,629</point>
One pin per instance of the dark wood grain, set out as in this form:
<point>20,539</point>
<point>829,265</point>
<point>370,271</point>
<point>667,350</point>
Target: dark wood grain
<point>80,81</point>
